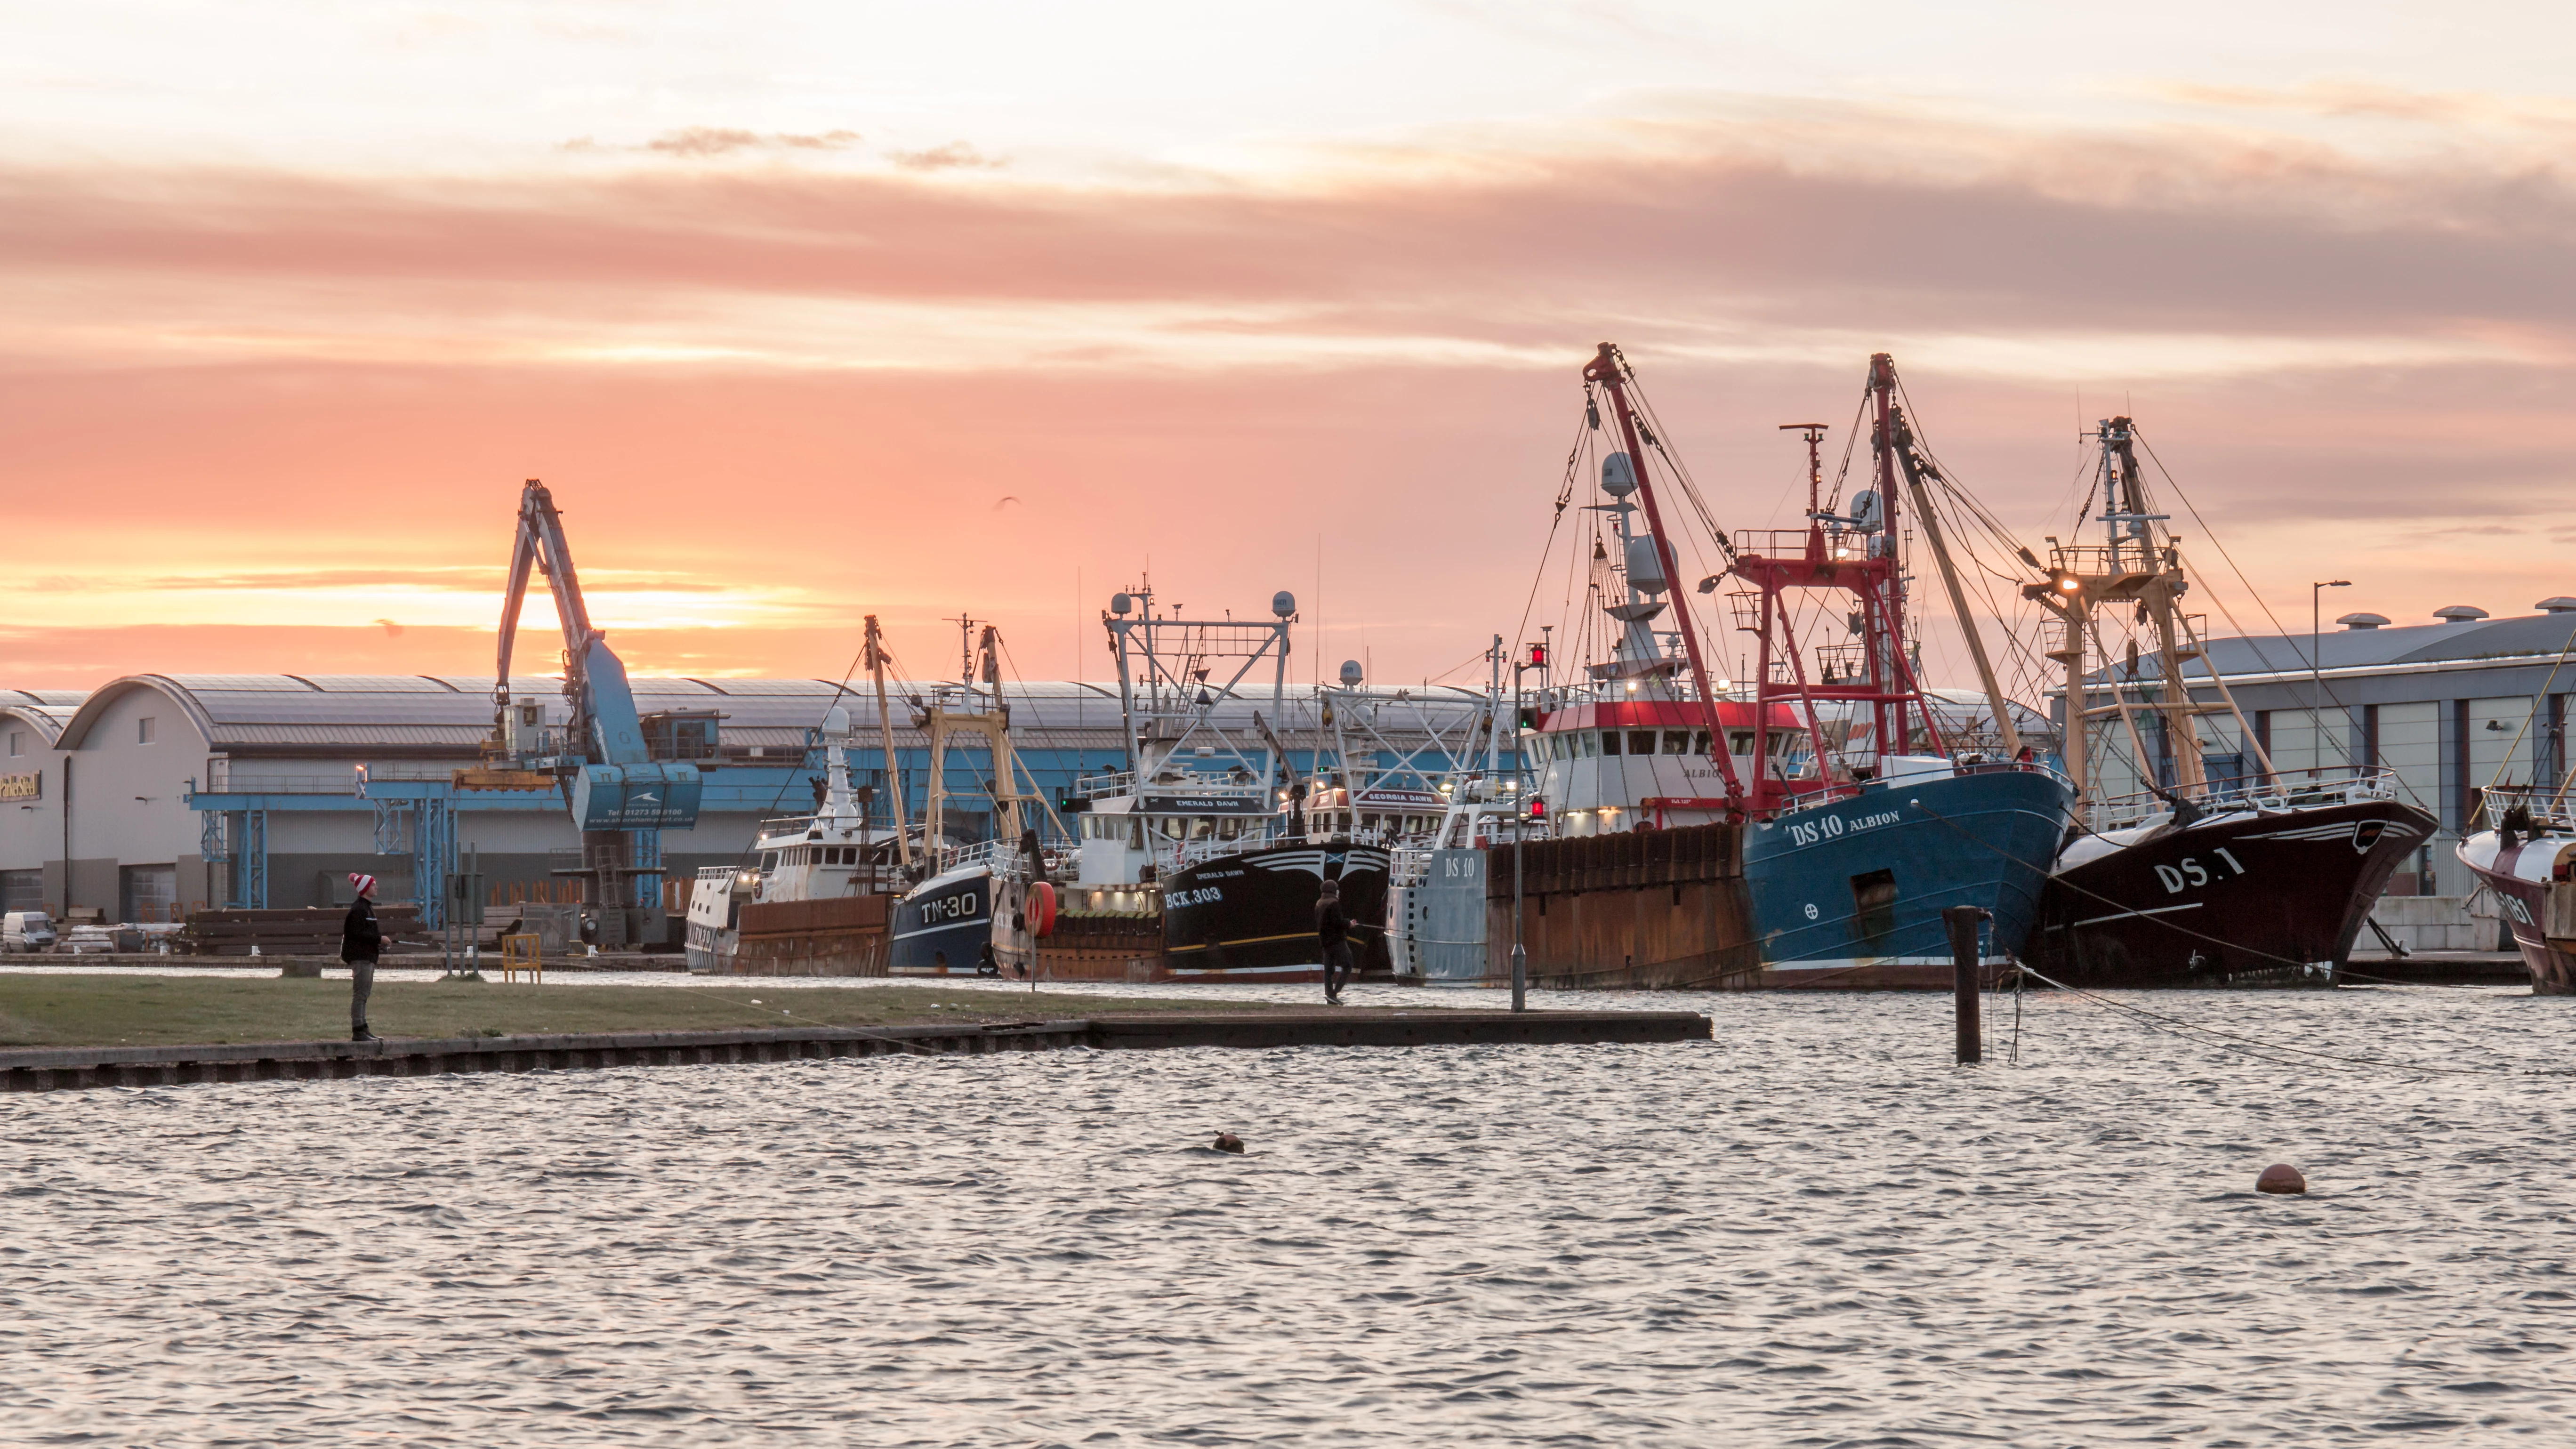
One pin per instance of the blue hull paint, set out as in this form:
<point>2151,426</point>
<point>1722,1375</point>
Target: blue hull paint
<point>1982,839</point>
<point>942,927</point>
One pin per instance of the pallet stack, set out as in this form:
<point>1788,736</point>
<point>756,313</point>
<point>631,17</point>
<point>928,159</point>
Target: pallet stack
<point>289,933</point>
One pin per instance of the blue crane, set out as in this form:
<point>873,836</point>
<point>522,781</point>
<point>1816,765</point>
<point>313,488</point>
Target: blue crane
<point>602,756</point>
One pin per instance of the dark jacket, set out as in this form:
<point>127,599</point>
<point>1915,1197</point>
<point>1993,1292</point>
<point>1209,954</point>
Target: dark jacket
<point>1330,923</point>
<point>360,938</point>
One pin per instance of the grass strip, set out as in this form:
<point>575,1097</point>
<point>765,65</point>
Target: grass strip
<point>128,1010</point>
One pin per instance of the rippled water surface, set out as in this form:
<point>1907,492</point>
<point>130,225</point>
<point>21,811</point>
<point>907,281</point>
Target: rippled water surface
<point>1811,1231</point>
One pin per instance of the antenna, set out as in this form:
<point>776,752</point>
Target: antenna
<point>1815,434</point>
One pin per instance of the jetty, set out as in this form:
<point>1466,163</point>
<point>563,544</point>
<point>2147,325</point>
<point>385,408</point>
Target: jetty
<point>41,1069</point>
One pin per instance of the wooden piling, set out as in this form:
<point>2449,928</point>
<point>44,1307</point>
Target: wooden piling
<point>1962,922</point>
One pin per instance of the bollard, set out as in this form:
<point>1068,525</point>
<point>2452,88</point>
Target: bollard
<point>1962,923</point>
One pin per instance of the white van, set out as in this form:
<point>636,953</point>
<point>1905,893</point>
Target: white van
<point>22,931</point>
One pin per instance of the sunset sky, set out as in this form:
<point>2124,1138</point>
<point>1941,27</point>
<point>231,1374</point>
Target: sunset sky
<point>787,301</point>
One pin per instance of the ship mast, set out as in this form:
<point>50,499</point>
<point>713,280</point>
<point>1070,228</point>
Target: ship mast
<point>1917,468</point>
<point>2130,566</point>
<point>1605,369</point>
<point>885,728</point>
<point>2181,740</point>
<point>1887,652</point>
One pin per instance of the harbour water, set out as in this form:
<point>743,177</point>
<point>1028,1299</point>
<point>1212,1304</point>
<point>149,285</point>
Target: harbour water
<point>1813,1230</point>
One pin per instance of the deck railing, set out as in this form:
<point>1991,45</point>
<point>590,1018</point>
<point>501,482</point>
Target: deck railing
<point>2543,809</point>
<point>2281,790</point>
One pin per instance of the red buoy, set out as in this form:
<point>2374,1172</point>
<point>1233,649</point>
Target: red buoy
<point>2280,1177</point>
<point>1042,909</point>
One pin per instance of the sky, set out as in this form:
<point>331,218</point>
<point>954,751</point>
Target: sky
<point>810,312</point>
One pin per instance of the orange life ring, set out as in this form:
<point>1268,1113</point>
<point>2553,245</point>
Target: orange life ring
<point>1042,909</point>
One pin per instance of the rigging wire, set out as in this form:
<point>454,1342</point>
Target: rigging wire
<point>2203,525</point>
<point>1564,496</point>
<point>2257,1048</point>
<point>772,812</point>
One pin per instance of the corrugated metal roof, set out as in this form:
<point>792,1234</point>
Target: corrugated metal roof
<point>464,737</point>
<point>380,683</point>
<point>2535,636</point>
<point>357,712</point>
<point>45,710</point>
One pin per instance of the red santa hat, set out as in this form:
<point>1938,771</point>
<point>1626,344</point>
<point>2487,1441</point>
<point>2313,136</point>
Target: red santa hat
<point>364,884</point>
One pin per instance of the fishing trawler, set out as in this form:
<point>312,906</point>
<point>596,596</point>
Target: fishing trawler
<point>985,905</point>
<point>2250,876</point>
<point>835,853</point>
<point>1195,832</point>
<point>1436,910</point>
<point>2526,854</point>
<point>1246,906</point>
<point>1848,859</point>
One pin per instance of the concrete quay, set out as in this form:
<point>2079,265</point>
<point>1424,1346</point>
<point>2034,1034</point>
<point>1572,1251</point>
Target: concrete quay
<point>315,965</point>
<point>43,1069</point>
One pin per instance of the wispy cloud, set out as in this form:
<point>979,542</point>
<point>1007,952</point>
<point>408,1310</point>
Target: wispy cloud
<point>768,385</point>
<point>954,156</point>
<point>1756,223</point>
<point>704,141</point>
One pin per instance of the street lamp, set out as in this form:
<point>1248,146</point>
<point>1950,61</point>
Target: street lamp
<point>2317,672</point>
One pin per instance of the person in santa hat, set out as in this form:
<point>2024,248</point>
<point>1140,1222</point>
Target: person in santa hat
<point>361,939</point>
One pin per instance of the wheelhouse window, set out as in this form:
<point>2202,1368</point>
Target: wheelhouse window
<point>768,861</point>
<point>1609,741</point>
<point>1699,743</point>
<point>1739,742</point>
<point>1677,742</point>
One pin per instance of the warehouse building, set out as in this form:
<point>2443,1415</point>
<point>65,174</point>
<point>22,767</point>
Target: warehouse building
<point>159,794</point>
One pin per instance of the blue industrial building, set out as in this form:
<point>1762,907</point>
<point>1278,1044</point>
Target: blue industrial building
<point>158,794</point>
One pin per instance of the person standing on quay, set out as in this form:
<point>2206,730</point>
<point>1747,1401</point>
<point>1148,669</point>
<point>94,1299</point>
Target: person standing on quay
<point>1333,931</point>
<point>361,940</point>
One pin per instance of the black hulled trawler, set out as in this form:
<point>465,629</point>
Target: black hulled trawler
<point>2247,874</point>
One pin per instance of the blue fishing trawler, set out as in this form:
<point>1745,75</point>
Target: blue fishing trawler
<point>1867,804</point>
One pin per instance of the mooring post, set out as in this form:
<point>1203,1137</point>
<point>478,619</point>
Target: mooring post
<point>1962,922</point>
<point>1520,955</point>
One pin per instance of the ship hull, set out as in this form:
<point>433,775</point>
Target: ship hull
<point>1251,916</point>
<point>2526,905</point>
<point>2243,899</point>
<point>942,927</point>
<point>1848,896</point>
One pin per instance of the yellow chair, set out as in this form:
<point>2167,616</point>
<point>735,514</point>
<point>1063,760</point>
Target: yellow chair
<point>522,953</point>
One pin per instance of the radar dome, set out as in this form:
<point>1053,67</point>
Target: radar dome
<point>1618,475</point>
<point>1645,566</point>
<point>1121,603</point>
<point>837,722</point>
<point>1283,603</point>
<point>1351,674</point>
